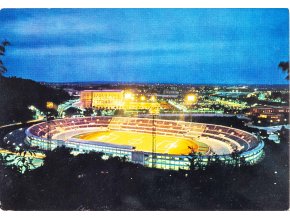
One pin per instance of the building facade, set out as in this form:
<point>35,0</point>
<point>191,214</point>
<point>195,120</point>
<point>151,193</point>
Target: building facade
<point>116,99</point>
<point>102,99</point>
<point>271,114</point>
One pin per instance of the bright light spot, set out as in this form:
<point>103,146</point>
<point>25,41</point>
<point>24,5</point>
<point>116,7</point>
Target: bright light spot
<point>49,105</point>
<point>275,172</point>
<point>190,97</point>
<point>128,95</point>
<point>142,98</point>
<point>153,98</point>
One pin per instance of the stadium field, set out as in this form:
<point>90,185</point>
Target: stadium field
<point>143,141</point>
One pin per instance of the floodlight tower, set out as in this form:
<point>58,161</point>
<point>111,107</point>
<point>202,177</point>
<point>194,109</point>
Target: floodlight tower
<point>153,141</point>
<point>154,111</point>
<point>49,105</point>
<point>189,100</point>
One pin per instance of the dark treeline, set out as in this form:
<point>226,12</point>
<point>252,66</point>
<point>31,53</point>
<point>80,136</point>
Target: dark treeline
<point>87,182</point>
<point>16,95</point>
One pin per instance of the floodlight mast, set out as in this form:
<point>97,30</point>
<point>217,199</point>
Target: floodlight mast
<point>48,132</point>
<point>154,111</point>
<point>153,141</point>
<point>49,105</point>
<point>189,100</point>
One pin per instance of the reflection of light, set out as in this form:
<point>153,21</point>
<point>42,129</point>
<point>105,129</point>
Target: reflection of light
<point>142,98</point>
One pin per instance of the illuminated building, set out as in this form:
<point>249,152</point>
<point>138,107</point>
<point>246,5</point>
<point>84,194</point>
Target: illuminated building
<point>269,109</point>
<point>107,99</point>
<point>271,114</point>
<point>117,99</point>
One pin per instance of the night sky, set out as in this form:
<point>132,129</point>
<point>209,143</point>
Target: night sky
<point>196,46</point>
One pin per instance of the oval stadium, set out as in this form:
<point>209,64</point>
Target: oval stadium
<point>170,143</point>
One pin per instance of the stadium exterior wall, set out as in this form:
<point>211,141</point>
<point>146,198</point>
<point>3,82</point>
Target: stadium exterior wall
<point>164,161</point>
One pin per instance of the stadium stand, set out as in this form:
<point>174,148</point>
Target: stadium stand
<point>233,138</point>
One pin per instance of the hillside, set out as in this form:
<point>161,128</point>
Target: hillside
<point>17,94</point>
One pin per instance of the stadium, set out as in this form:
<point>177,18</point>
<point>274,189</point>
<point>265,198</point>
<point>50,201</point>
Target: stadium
<point>159,143</point>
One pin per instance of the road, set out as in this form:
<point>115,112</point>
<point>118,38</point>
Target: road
<point>19,123</point>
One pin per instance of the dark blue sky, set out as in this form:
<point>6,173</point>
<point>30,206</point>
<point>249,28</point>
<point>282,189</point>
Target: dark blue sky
<point>198,46</point>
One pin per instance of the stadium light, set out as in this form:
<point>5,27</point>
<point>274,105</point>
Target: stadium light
<point>191,98</point>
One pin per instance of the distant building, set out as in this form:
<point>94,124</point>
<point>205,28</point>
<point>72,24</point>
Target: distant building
<point>117,99</point>
<point>271,114</point>
<point>170,96</point>
<point>269,109</point>
<point>109,99</point>
<point>170,92</point>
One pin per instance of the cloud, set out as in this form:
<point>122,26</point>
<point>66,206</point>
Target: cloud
<point>109,48</point>
<point>140,42</point>
<point>53,25</point>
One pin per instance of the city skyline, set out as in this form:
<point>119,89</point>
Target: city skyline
<point>190,46</point>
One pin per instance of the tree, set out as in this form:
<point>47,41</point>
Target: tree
<point>284,135</point>
<point>20,158</point>
<point>88,112</point>
<point>284,66</point>
<point>195,160</point>
<point>72,111</point>
<point>3,69</point>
